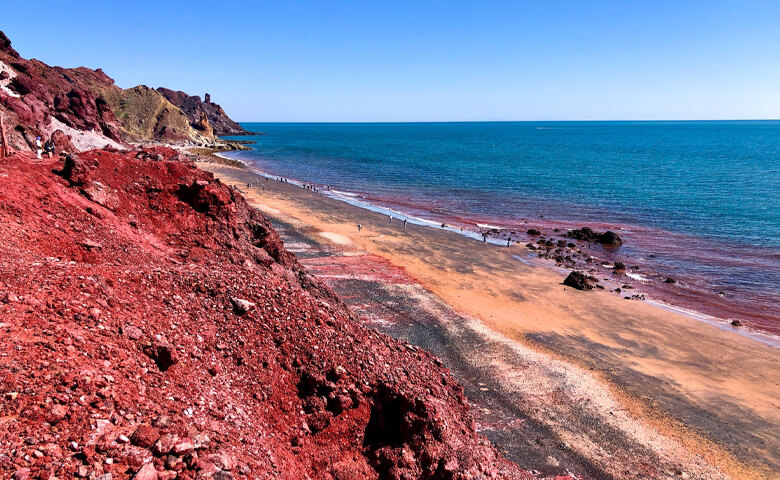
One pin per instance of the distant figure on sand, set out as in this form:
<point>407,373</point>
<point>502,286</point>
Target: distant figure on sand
<point>391,218</point>
<point>404,224</point>
<point>508,241</point>
<point>359,227</point>
<point>38,147</point>
<point>484,238</point>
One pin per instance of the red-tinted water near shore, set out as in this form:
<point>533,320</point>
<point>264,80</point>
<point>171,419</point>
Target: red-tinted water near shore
<point>705,291</point>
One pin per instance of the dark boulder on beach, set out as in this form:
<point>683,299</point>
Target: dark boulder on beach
<point>533,231</point>
<point>580,281</point>
<point>587,234</point>
<point>610,238</point>
<point>584,233</point>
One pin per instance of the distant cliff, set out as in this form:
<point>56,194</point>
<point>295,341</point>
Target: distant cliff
<point>204,116</point>
<point>82,109</point>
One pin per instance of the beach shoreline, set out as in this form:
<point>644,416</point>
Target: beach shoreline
<point>679,293</point>
<point>713,389</point>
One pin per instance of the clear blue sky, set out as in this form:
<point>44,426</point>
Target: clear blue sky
<point>427,60</point>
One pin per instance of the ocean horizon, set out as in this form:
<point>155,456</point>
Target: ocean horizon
<point>695,201</point>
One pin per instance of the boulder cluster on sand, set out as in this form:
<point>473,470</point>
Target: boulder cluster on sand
<point>155,327</point>
<point>588,235</point>
<point>580,281</point>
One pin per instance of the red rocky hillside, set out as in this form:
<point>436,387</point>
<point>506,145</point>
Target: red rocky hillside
<point>82,109</point>
<point>153,326</point>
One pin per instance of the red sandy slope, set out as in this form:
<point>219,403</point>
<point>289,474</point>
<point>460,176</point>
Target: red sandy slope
<point>125,347</point>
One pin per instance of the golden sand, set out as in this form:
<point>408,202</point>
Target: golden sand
<point>661,365</point>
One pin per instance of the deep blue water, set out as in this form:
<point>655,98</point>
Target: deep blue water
<point>714,181</point>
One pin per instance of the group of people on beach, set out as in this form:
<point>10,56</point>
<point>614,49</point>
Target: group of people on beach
<point>390,217</point>
<point>485,235</point>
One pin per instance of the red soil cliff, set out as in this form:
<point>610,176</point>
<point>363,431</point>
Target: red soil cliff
<point>154,326</point>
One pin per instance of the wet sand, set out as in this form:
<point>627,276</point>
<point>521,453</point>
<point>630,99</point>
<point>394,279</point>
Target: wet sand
<point>612,388</point>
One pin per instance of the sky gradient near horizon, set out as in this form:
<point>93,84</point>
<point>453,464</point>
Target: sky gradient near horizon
<point>429,60</point>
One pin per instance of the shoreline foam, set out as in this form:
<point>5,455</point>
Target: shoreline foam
<point>648,286</point>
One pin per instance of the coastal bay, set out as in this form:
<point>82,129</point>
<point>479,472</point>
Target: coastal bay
<point>623,378</point>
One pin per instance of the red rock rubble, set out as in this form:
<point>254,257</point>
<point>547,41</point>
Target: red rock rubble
<point>154,327</point>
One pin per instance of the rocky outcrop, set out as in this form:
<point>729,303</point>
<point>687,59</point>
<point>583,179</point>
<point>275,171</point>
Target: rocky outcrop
<point>169,334</point>
<point>580,281</point>
<point>89,111</point>
<point>146,114</point>
<point>204,116</point>
<point>5,46</point>
<point>37,100</point>
<point>588,235</point>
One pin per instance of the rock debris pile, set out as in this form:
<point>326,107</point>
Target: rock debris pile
<point>154,327</point>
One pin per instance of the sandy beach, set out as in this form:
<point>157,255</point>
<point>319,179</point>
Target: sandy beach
<point>615,388</point>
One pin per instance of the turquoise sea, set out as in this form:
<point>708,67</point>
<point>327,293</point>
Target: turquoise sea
<point>699,201</point>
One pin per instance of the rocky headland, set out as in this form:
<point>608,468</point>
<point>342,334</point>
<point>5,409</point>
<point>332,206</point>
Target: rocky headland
<point>82,109</point>
<point>204,115</point>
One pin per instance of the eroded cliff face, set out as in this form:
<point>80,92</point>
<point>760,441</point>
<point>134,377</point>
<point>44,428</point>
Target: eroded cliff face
<point>145,114</point>
<point>154,326</point>
<point>83,109</point>
<point>205,115</point>
<point>36,99</point>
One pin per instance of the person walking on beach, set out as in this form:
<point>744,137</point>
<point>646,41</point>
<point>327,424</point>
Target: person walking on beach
<point>391,218</point>
<point>508,241</point>
<point>404,224</point>
<point>484,238</point>
<point>359,227</point>
<point>38,147</point>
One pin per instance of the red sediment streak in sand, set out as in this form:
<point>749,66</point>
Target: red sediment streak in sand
<point>364,267</point>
